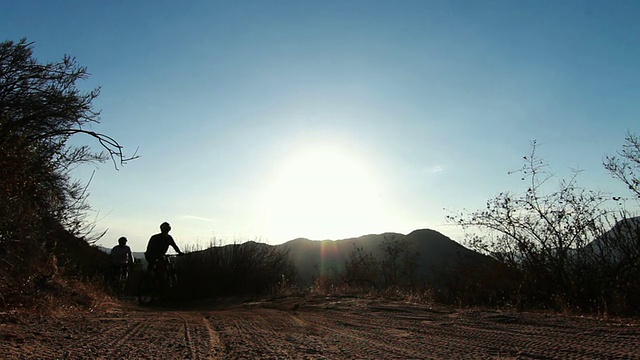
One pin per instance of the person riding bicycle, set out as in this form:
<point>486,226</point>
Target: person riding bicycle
<point>159,244</point>
<point>121,259</point>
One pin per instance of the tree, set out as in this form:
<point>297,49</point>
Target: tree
<point>538,232</point>
<point>361,269</point>
<point>618,250</point>
<point>41,108</point>
<point>399,263</point>
<point>627,168</point>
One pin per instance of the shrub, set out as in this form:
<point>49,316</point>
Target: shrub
<point>245,269</point>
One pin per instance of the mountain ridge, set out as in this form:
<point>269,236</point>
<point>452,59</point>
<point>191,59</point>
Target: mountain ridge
<point>435,251</point>
<point>313,258</point>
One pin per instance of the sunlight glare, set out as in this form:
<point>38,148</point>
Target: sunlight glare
<point>323,193</point>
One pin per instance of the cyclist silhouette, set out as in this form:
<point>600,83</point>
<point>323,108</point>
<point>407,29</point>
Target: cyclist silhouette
<point>121,260</point>
<point>159,244</point>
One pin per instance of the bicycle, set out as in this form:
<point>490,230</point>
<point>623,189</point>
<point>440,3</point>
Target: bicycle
<point>121,276</point>
<point>159,278</point>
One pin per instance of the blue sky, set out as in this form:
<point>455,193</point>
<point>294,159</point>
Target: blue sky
<point>273,120</point>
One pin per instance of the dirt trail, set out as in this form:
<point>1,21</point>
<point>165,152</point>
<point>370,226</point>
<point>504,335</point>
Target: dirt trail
<point>320,329</point>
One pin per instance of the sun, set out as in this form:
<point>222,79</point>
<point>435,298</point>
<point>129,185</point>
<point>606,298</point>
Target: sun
<point>323,192</point>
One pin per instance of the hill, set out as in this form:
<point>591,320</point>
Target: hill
<point>60,272</point>
<point>136,255</point>
<point>435,253</point>
<point>312,258</point>
<point>620,243</point>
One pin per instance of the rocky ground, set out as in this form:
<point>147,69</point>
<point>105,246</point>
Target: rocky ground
<point>318,328</point>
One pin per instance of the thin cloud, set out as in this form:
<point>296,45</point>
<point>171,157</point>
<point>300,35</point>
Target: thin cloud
<point>199,218</point>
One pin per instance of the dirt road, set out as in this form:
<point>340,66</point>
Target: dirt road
<point>338,328</point>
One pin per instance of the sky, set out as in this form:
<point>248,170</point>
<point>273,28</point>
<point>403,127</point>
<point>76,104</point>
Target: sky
<point>272,120</point>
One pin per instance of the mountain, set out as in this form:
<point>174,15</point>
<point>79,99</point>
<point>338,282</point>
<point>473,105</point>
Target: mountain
<point>328,257</point>
<point>435,253</point>
<point>618,243</point>
<point>136,255</point>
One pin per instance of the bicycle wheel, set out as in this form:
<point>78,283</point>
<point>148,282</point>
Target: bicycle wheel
<point>171,277</point>
<point>123,275</point>
<point>146,289</point>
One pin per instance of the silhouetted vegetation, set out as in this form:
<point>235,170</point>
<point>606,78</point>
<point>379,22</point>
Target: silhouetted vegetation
<point>362,270</point>
<point>564,248</point>
<point>42,208</point>
<point>246,269</point>
<point>626,167</point>
<point>397,267</point>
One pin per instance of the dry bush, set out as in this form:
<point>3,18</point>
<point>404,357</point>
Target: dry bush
<point>489,283</point>
<point>37,272</point>
<point>568,248</point>
<point>245,269</point>
<point>286,288</point>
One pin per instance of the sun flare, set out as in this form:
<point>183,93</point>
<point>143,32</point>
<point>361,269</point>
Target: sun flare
<point>323,193</point>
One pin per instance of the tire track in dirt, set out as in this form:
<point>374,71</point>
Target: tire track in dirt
<point>266,334</point>
<point>247,338</point>
<point>363,336</point>
<point>132,330</point>
<point>200,338</point>
<point>108,351</point>
<point>321,333</point>
<point>187,339</point>
<point>303,337</point>
<point>444,337</point>
<point>346,330</point>
<point>552,338</point>
<point>155,335</point>
<point>216,348</point>
<point>463,336</point>
<point>549,337</point>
